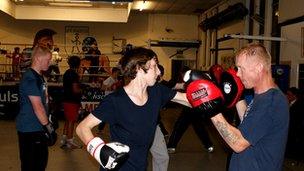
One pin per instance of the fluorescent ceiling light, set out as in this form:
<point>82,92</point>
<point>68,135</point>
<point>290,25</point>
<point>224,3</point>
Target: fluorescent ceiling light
<point>143,5</point>
<point>80,1</point>
<point>70,4</point>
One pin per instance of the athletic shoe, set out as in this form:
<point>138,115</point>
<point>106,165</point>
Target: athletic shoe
<point>73,145</point>
<point>171,150</point>
<point>63,140</point>
<point>210,149</point>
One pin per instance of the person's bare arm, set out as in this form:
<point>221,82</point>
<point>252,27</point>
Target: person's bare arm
<point>181,99</point>
<point>230,134</point>
<point>39,109</point>
<point>241,107</point>
<point>84,129</point>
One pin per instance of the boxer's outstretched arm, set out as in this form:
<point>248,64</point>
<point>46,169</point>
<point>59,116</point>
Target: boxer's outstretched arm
<point>181,99</point>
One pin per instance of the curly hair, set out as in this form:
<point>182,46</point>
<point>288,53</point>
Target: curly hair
<point>135,59</point>
<point>74,61</point>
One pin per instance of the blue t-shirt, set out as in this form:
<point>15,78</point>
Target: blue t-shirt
<point>32,84</point>
<point>265,126</point>
<point>131,124</point>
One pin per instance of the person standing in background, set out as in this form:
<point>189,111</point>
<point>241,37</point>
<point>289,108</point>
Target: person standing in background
<point>71,102</point>
<point>189,116</point>
<point>111,83</point>
<point>35,131</point>
<point>53,70</point>
<point>15,62</point>
<point>158,149</point>
<point>294,148</point>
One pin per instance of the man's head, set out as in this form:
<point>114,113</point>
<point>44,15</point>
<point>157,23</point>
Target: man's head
<point>44,37</point>
<point>74,62</point>
<point>140,60</point>
<point>254,64</point>
<point>41,57</point>
<point>17,49</point>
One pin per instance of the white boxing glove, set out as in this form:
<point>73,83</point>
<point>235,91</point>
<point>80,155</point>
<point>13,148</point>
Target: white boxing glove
<point>109,155</point>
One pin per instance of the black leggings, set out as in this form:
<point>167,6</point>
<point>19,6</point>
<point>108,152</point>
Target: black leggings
<point>33,151</point>
<point>187,117</point>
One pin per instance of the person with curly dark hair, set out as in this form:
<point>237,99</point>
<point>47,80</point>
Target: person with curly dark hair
<point>71,102</point>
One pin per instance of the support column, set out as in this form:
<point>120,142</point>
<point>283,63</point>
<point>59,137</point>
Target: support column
<point>268,23</point>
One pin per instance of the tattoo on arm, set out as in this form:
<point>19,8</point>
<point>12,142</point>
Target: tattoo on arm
<point>227,135</point>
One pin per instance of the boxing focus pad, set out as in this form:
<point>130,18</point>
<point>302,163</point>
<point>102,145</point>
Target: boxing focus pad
<point>50,134</point>
<point>205,96</point>
<point>232,87</point>
<point>109,155</point>
<point>216,72</point>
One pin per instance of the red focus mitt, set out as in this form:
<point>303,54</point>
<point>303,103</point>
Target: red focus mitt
<point>231,86</point>
<point>205,96</point>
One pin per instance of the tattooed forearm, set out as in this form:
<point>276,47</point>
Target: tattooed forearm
<point>227,135</point>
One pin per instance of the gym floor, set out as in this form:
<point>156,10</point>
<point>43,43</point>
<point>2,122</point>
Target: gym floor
<point>190,154</point>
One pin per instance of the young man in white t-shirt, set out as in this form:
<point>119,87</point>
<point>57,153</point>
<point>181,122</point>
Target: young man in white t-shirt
<point>111,83</point>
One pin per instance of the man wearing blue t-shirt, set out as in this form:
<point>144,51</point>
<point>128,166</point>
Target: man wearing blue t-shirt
<point>260,139</point>
<point>132,113</point>
<point>35,131</point>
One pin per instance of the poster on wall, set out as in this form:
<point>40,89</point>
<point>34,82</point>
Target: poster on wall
<point>73,38</point>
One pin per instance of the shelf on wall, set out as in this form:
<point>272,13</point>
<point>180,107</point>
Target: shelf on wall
<point>176,43</point>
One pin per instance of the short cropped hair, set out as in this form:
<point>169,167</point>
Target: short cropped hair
<point>40,51</point>
<point>43,33</point>
<point>135,59</point>
<point>74,61</point>
<point>257,51</point>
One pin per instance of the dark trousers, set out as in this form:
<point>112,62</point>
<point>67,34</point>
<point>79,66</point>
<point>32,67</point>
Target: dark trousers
<point>187,117</point>
<point>33,151</point>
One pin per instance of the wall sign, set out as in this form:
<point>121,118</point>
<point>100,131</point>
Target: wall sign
<point>74,36</point>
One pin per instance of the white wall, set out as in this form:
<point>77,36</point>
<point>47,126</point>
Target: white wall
<point>137,31</point>
<point>207,58</point>
<point>289,9</point>
<point>290,51</point>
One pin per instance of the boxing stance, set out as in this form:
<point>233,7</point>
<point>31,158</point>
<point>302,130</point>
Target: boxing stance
<point>132,114</point>
<point>259,141</point>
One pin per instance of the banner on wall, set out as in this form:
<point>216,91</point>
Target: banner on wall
<point>73,38</point>
<point>9,100</point>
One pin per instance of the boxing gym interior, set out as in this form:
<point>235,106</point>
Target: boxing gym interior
<point>183,33</point>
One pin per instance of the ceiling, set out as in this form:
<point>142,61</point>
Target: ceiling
<point>150,6</point>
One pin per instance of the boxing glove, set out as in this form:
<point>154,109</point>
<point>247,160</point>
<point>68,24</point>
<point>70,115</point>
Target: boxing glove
<point>109,155</point>
<point>50,134</point>
<point>216,72</point>
<point>205,96</point>
<point>231,86</point>
<point>192,75</point>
